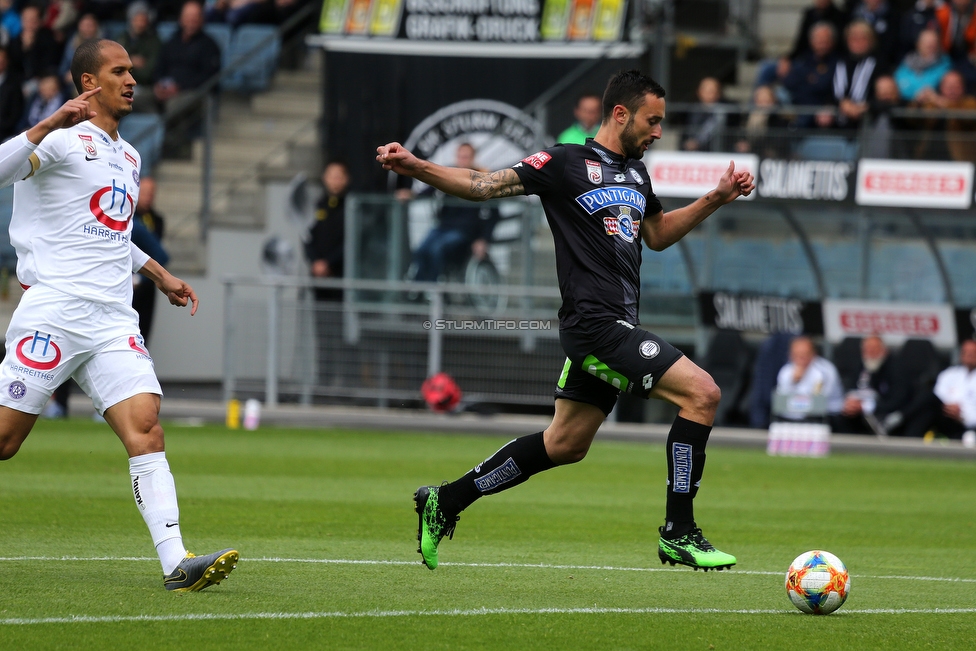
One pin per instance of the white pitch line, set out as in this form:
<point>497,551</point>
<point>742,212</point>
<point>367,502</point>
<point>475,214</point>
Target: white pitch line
<point>541,566</point>
<point>189,617</point>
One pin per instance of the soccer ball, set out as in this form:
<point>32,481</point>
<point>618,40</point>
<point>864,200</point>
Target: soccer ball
<point>817,582</point>
<point>441,392</point>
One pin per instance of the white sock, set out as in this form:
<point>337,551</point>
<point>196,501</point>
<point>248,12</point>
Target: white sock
<point>155,494</point>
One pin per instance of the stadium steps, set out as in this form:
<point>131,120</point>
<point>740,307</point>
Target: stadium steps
<point>271,135</point>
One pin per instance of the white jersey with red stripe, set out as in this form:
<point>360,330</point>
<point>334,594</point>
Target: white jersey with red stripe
<point>72,215</point>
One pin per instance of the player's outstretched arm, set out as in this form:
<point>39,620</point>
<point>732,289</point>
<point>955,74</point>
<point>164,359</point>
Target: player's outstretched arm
<point>664,229</point>
<point>460,182</point>
<point>178,292</point>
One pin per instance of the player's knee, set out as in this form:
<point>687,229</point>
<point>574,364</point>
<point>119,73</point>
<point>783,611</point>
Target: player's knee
<point>567,452</point>
<point>708,394</point>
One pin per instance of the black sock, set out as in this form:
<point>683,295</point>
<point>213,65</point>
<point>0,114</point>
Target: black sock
<point>686,460</point>
<point>510,466</point>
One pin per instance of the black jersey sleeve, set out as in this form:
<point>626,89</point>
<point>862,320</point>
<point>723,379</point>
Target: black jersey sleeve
<point>542,172</point>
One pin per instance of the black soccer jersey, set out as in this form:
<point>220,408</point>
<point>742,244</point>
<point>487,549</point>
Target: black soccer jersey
<point>595,201</point>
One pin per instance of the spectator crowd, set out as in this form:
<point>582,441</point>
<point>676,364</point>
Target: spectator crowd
<point>865,387</point>
<point>38,39</point>
<point>851,63</point>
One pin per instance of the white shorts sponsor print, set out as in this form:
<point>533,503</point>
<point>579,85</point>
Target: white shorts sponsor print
<point>53,337</point>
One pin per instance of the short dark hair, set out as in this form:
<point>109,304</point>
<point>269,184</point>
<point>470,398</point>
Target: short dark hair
<point>87,58</point>
<point>628,89</point>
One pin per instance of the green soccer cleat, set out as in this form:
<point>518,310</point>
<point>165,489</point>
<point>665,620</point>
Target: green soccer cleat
<point>194,573</point>
<point>433,526</point>
<point>693,550</point>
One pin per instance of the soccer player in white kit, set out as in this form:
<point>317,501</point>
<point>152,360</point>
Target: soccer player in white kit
<point>77,187</point>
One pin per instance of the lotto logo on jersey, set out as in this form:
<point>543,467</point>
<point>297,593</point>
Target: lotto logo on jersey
<point>38,352</point>
<point>537,160</point>
<point>594,172</point>
<point>113,206</point>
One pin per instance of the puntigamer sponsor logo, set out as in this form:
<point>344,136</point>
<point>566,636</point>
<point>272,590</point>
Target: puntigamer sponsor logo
<point>500,475</point>
<point>600,198</point>
<point>681,456</point>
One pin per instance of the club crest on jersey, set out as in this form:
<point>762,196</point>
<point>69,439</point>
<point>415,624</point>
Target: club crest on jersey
<point>112,206</point>
<point>621,225</point>
<point>86,141</point>
<point>537,160</point>
<point>634,174</point>
<point>594,172</point>
<point>614,195</point>
<point>38,352</point>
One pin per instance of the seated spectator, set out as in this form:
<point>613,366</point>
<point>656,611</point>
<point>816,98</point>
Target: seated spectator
<point>872,388</point>
<point>811,76</point>
<point>922,70</point>
<point>588,113</point>
<point>759,133</point>
<point>884,125</point>
<point>919,17</point>
<point>459,227</point>
<point>60,17</point>
<point>820,11</point>
<point>957,26</point>
<point>772,72</point>
<point>951,408</point>
<point>11,99</point>
<point>953,137</point>
<point>855,75</point>
<point>236,12</point>
<point>883,19</point>
<point>34,51</point>
<point>9,20</point>
<point>706,123</point>
<point>142,43</point>
<point>88,28</point>
<point>48,98</point>
<point>188,59</point>
<point>808,374</point>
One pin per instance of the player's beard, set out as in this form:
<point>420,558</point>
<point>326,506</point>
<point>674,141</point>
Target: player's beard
<point>632,146</point>
<point>121,111</point>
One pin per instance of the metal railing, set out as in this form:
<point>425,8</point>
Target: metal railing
<point>282,343</point>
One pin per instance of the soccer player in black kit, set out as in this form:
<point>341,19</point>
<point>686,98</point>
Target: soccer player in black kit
<point>600,205</point>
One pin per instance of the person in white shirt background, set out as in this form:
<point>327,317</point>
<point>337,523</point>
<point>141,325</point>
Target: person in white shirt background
<point>952,409</point>
<point>77,184</point>
<point>808,374</point>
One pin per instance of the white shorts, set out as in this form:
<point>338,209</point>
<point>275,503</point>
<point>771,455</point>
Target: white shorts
<point>54,336</point>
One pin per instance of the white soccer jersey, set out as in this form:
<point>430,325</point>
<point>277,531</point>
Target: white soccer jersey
<point>72,216</point>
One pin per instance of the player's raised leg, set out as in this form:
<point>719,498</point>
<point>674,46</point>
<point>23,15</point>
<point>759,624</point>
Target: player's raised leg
<point>566,440</point>
<point>136,422</point>
<point>697,395</point>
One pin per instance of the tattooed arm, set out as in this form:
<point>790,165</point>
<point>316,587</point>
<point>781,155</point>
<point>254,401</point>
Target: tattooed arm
<point>460,182</point>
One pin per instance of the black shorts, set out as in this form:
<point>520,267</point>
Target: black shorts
<point>606,357</point>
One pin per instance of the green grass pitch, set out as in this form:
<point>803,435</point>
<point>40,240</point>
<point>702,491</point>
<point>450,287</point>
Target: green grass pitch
<point>325,525</point>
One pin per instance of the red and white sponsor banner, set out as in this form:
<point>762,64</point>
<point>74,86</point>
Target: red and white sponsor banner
<point>918,184</point>
<point>692,174</point>
<point>893,322</point>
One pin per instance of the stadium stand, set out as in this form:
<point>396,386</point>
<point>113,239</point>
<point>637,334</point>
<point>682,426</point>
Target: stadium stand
<point>257,48</point>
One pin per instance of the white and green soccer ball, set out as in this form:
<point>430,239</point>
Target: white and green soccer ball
<point>818,582</point>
